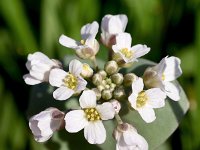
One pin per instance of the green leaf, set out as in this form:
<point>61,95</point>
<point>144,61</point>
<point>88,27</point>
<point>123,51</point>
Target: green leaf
<point>156,133</point>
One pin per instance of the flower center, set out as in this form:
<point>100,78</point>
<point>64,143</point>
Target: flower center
<point>127,53</point>
<point>70,81</point>
<point>141,99</point>
<point>92,114</point>
<point>82,42</point>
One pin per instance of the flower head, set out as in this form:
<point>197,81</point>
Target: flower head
<point>39,66</point>
<point>45,123</point>
<point>128,53</point>
<point>128,139</point>
<point>90,118</point>
<point>86,48</point>
<point>144,101</point>
<point>67,82</point>
<point>162,74</point>
<point>112,25</point>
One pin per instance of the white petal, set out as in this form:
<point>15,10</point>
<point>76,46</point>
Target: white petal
<point>39,56</point>
<point>68,42</point>
<point>89,30</point>
<point>75,121</point>
<point>62,93</point>
<point>147,114</point>
<point>117,24</point>
<point>156,97</point>
<point>81,84</point>
<point>124,21</point>
<point>140,50</point>
<point>173,69</point>
<point>123,40</point>
<point>56,77</point>
<point>88,99</point>
<point>95,132</point>
<point>75,67</point>
<point>37,75</point>
<point>137,85</point>
<point>160,68</point>
<point>104,23</point>
<point>106,111</point>
<point>172,91</point>
<point>132,99</point>
<point>31,80</point>
<point>42,138</point>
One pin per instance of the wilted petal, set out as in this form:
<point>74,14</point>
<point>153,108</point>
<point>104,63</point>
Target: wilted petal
<point>75,121</point>
<point>62,93</point>
<point>147,114</point>
<point>88,99</point>
<point>95,132</point>
<point>172,91</point>
<point>106,111</point>
<point>56,77</point>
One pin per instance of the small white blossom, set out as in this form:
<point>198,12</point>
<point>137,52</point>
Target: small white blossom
<point>145,101</point>
<point>162,74</point>
<point>45,123</point>
<point>116,105</point>
<point>128,139</point>
<point>67,82</point>
<point>128,53</point>
<point>88,47</point>
<point>87,71</point>
<point>90,118</point>
<point>39,66</point>
<point>112,25</point>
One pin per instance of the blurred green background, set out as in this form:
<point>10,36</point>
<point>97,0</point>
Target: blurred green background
<point>169,27</point>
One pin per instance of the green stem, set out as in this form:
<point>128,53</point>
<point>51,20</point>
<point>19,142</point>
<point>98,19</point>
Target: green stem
<point>118,118</point>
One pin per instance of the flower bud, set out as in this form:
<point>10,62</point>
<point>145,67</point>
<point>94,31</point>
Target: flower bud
<point>129,78</point>
<point>103,74</point>
<point>106,94</point>
<point>97,92</point>
<point>100,87</point>
<point>151,78</point>
<point>117,78</point>
<point>86,71</point>
<point>119,93</point>
<point>112,87</point>
<point>96,79</point>
<point>116,105</point>
<point>111,67</point>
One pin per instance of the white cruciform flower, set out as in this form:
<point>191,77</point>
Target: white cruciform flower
<point>111,25</point>
<point>45,123</point>
<point>145,101</point>
<point>128,53</point>
<point>88,47</point>
<point>90,118</point>
<point>162,74</point>
<point>39,66</point>
<point>128,139</point>
<point>67,82</point>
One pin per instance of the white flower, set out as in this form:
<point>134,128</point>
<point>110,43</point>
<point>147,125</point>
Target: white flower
<point>45,123</point>
<point>162,74</point>
<point>68,82</point>
<point>128,139</point>
<point>116,105</point>
<point>111,25</point>
<point>87,71</point>
<point>90,118</point>
<point>145,101</point>
<point>39,66</point>
<point>128,53</point>
<point>88,47</point>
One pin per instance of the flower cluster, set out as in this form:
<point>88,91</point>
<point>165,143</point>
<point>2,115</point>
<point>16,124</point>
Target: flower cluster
<point>100,92</point>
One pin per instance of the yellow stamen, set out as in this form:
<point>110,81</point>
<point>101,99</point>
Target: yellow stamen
<point>82,42</point>
<point>70,81</point>
<point>127,53</point>
<point>86,67</point>
<point>92,114</point>
<point>141,99</point>
<point>163,77</point>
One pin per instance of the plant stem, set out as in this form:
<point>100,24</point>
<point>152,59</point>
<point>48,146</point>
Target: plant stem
<point>118,118</point>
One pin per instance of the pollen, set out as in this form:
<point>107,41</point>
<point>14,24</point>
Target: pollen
<point>127,53</point>
<point>141,99</point>
<point>86,67</point>
<point>70,81</point>
<point>163,77</point>
<point>82,42</point>
<point>92,114</point>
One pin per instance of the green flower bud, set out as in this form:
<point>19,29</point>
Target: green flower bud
<point>96,79</point>
<point>100,87</point>
<point>119,93</point>
<point>103,74</point>
<point>106,94</point>
<point>111,67</point>
<point>129,78</point>
<point>112,87</point>
<point>117,78</point>
<point>97,92</point>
